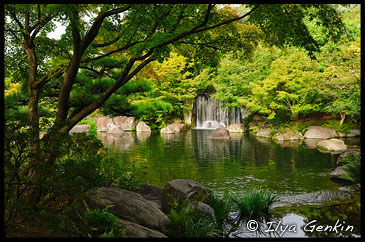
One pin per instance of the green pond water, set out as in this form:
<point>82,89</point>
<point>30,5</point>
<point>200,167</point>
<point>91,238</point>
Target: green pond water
<point>296,171</point>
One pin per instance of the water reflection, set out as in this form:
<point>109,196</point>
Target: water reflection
<point>295,172</point>
<point>143,136</point>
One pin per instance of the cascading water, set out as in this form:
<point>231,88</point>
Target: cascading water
<point>211,114</point>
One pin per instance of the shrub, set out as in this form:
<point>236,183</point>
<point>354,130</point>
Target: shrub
<point>101,223</point>
<point>93,129</point>
<point>352,167</point>
<point>254,203</point>
<point>185,223</point>
<point>222,206</point>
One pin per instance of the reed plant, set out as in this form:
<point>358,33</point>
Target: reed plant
<point>254,203</point>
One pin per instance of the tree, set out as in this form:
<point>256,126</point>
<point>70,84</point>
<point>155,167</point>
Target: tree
<point>340,85</point>
<point>115,42</point>
<point>288,87</point>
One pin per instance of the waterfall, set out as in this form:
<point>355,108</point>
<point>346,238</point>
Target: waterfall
<point>211,114</point>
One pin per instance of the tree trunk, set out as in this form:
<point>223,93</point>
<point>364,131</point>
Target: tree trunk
<point>343,116</point>
<point>35,157</point>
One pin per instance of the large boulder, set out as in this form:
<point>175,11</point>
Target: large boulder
<point>128,205</point>
<point>290,135</point>
<point>126,123</point>
<point>203,210</point>
<point>318,132</point>
<point>104,123</point>
<point>81,128</point>
<point>143,127</point>
<point>332,145</point>
<point>173,128</point>
<point>182,189</point>
<point>151,193</point>
<point>220,133</point>
<point>264,133</point>
<point>354,133</point>
<point>133,230</point>
<point>236,128</point>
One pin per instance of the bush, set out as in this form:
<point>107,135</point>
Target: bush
<point>93,129</point>
<point>102,224</point>
<point>185,223</point>
<point>352,167</point>
<point>254,203</point>
<point>222,206</point>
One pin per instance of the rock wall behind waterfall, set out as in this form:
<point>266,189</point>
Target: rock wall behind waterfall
<point>212,114</point>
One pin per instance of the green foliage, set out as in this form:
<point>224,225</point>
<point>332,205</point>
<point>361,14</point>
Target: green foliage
<point>102,224</point>
<point>93,129</point>
<point>254,203</point>
<point>234,77</point>
<point>185,223</point>
<point>352,167</point>
<point>340,84</point>
<point>77,169</point>
<point>334,124</point>
<point>116,105</point>
<point>288,89</point>
<point>222,207</point>
<point>154,112</point>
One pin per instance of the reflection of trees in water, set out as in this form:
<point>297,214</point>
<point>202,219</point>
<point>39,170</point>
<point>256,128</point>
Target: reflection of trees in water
<point>124,140</point>
<point>345,213</point>
<point>240,230</point>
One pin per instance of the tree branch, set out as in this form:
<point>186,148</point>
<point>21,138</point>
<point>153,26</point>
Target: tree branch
<point>92,33</point>
<point>47,77</point>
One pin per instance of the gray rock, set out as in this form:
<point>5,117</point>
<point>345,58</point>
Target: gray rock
<point>332,145</point>
<point>338,173</point>
<point>173,128</point>
<point>203,210</point>
<point>133,230</point>
<point>264,133</point>
<point>104,123</point>
<point>182,189</point>
<point>143,127</point>
<point>220,133</point>
<point>81,128</point>
<point>126,123</point>
<point>290,135</point>
<point>128,205</point>
<point>236,128</point>
<point>151,193</point>
<point>318,132</point>
<point>354,133</point>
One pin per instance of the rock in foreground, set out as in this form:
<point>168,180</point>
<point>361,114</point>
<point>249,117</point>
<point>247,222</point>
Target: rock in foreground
<point>182,189</point>
<point>129,206</point>
<point>332,145</point>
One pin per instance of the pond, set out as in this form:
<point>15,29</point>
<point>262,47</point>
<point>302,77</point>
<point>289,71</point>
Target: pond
<point>296,171</point>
